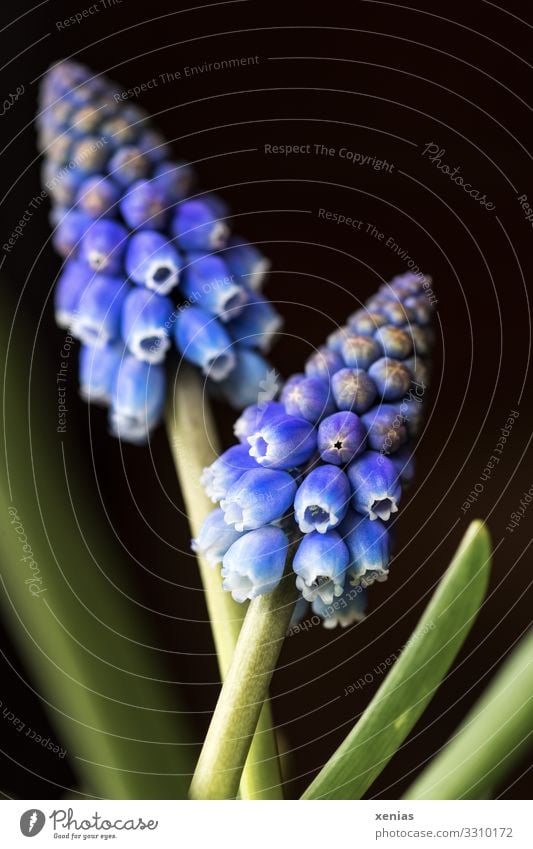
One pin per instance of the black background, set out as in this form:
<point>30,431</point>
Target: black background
<point>382,79</point>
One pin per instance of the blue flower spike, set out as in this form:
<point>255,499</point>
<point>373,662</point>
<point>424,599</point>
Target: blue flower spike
<point>322,499</point>
<point>341,437</point>
<point>256,325</point>
<point>215,538</point>
<point>255,417</point>
<point>145,322</point>
<point>369,547</point>
<point>152,261</point>
<point>324,363</point>
<point>343,611</point>
<point>138,399</point>
<point>99,310</point>
<point>226,470</point>
<point>246,263</point>
<point>345,465</point>
<point>202,339</point>
<point>320,564</point>
<point>376,490</point>
<point>98,368</point>
<point>103,245</point>
<point>353,389</point>
<point>282,442</point>
<point>309,398</point>
<point>254,564</point>
<point>196,228</point>
<point>124,220</point>
<point>259,497</point>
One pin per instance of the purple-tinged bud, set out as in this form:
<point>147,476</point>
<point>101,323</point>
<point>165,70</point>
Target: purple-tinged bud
<point>353,390</point>
<point>341,437</point>
<point>419,368</point>
<point>145,322</point>
<point>99,311</point>
<point>283,442</point>
<point>103,246</point>
<point>421,308</point>
<point>87,119</point>
<point>202,340</point>
<point>259,497</point>
<point>369,545</point>
<point>153,261</point>
<point>138,400</point>
<point>406,284</point>
<point>98,196</point>
<point>394,342</point>
<point>309,398</point>
<point>320,565</point>
<point>322,500</point>
<point>391,378</point>
<point>375,485</point>
<point>207,282</point>
<point>255,562</point>
<point>385,428</point>
<point>176,178</point>
<point>98,369</point>
<point>348,608</point>
<point>423,339</point>
<point>324,363</point>
<point>396,313</point>
<point>257,325</point>
<point>360,351</point>
<point>129,164</point>
<point>246,263</point>
<point>254,417</point>
<point>214,538</point>
<point>252,378</point>
<point>336,340</point>
<point>366,322</point>
<point>225,471</point>
<point>87,155</point>
<point>153,145</point>
<point>197,229</point>
<point>145,205</point>
<point>120,130</point>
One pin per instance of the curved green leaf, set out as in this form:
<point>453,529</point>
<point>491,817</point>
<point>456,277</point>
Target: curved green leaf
<point>490,741</point>
<point>64,584</point>
<point>414,678</point>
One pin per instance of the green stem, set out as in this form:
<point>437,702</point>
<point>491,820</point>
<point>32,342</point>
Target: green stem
<point>491,740</point>
<point>194,444</point>
<point>235,719</point>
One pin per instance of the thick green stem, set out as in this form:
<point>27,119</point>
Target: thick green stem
<point>194,443</point>
<point>234,722</point>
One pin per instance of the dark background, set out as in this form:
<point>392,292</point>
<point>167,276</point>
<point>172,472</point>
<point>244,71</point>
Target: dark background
<point>382,79</point>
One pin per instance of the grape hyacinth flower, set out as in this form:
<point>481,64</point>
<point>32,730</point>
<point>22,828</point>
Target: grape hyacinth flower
<point>145,260</point>
<point>254,564</point>
<point>326,464</point>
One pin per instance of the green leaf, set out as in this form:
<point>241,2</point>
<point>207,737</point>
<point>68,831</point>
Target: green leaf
<point>415,677</point>
<point>491,740</point>
<point>91,653</point>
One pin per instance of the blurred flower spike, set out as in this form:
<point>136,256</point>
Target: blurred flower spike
<point>148,265</point>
